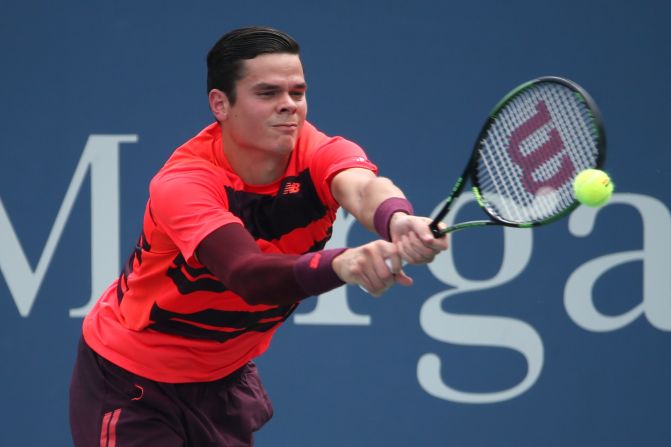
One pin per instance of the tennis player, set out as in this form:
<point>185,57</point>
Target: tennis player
<point>232,240</point>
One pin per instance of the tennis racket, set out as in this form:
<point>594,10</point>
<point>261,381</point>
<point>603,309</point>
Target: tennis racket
<point>534,143</point>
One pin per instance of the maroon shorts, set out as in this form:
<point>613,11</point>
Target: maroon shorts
<point>111,407</point>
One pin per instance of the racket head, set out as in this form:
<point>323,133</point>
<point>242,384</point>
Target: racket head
<point>534,143</point>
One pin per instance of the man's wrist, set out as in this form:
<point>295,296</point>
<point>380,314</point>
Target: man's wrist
<point>385,211</point>
<point>315,273</point>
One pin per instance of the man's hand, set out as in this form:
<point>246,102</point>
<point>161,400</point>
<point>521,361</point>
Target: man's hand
<point>375,266</point>
<point>414,239</point>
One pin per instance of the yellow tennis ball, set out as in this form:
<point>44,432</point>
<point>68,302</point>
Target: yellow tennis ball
<point>593,187</point>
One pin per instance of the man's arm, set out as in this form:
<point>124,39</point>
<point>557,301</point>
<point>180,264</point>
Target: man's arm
<point>232,255</point>
<point>361,192</point>
<point>377,204</point>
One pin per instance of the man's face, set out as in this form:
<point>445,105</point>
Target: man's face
<point>270,106</point>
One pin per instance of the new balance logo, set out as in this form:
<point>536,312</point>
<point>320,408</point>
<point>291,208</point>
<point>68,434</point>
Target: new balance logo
<point>291,188</point>
<point>314,261</point>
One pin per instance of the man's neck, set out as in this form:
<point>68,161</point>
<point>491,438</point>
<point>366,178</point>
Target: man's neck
<point>255,167</point>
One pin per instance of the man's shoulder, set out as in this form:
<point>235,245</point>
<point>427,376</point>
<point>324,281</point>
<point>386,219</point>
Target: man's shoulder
<point>313,141</point>
<point>193,159</point>
<point>199,151</point>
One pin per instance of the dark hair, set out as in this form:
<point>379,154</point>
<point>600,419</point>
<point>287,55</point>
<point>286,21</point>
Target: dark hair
<point>224,60</point>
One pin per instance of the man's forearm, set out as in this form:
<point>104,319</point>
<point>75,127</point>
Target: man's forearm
<point>361,193</point>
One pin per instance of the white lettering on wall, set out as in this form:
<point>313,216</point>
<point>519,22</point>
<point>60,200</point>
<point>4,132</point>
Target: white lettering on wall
<point>655,255</point>
<point>101,155</point>
<point>332,307</point>
<point>478,330</point>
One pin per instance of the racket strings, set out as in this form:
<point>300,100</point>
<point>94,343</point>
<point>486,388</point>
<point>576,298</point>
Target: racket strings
<point>529,178</point>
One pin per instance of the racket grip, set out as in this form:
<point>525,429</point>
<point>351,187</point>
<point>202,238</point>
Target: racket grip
<point>437,233</point>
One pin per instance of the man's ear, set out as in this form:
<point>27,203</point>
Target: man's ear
<point>219,104</point>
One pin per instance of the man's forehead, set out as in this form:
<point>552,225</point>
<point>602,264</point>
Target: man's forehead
<point>293,84</point>
<point>273,68</point>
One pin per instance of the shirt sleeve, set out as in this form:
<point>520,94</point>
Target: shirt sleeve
<point>232,255</point>
<point>188,203</point>
<point>336,155</point>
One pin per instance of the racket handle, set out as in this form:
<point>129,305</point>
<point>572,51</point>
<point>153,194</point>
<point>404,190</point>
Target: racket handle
<point>460,226</point>
<point>437,233</point>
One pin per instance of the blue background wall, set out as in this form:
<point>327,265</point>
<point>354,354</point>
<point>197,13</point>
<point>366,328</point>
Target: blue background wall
<point>411,81</point>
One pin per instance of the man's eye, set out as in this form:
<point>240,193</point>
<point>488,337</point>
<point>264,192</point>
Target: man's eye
<point>298,95</point>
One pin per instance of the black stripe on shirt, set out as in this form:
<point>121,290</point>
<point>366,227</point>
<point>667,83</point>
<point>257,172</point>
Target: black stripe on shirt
<point>269,217</point>
<point>182,273</point>
<point>239,321</point>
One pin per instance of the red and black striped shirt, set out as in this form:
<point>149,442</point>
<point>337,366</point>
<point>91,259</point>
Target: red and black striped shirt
<point>167,317</point>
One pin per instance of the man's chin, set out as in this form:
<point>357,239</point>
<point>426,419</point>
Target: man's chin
<point>286,145</point>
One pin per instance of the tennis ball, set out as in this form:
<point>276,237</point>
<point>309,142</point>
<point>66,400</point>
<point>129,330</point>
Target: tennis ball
<point>592,187</point>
